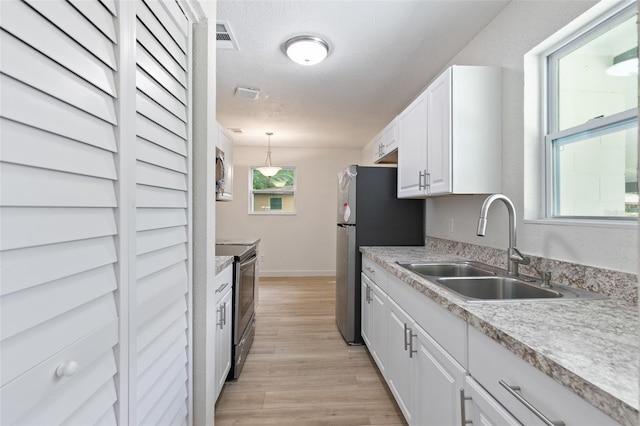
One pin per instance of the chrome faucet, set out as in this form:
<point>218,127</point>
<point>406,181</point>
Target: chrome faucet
<point>513,254</point>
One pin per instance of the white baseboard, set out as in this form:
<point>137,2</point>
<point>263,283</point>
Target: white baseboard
<point>285,273</point>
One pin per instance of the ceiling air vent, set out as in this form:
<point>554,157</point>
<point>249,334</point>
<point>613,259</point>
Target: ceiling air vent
<point>224,37</point>
<point>247,93</point>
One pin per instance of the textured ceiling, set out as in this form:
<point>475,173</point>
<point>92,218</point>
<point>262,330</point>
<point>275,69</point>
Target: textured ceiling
<point>382,54</point>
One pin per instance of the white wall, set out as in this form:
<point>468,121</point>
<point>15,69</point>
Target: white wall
<point>205,133</point>
<point>291,245</point>
<point>520,27</point>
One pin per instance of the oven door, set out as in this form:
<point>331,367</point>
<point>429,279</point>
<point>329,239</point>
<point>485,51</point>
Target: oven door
<point>245,296</point>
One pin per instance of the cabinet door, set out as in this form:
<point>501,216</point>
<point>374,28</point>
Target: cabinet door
<point>482,408</point>
<point>412,141</point>
<point>438,379</point>
<point>439,134</point>
<point>365,312</point>
<point>378,324</point>
<point>398,361</point>
<point>390,137</point>
<point>223,340</point>
<point>377,147</point>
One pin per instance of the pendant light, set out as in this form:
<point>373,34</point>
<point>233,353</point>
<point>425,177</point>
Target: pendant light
<point>268,170</point>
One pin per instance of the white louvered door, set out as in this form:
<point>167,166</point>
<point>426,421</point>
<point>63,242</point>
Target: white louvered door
<point>58,196</point>
<point>94,318</point>
<point>162,194</point>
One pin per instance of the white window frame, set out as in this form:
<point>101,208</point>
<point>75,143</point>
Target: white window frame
<point>583,35</point>
<point>274,212</point>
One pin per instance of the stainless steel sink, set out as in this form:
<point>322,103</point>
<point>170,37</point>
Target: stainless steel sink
<point>497,288</point>
<point>477,282</point>
<point>449,269</point>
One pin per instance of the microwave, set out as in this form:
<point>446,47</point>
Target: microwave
<point>222,177</point>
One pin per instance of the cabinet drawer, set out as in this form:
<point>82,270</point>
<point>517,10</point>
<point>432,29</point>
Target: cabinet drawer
<point>490,363</point>
<point>375,272</point>
<point>222,283</point>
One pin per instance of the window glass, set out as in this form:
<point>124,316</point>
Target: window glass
<point>273,194</point>
<point>592,81</point>
<point>592,136</point>
<point>595,173</point>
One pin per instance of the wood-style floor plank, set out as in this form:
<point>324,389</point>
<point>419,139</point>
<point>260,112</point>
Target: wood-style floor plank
<point>300,371</point>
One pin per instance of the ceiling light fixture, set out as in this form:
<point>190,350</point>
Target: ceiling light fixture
<point>306,49</point>
<point>268,170</point>
<point>625,64</point>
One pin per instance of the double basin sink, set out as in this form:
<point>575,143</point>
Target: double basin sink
<point>477,282</point>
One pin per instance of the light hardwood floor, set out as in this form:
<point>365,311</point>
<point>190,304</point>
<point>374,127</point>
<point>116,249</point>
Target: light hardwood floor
<point>299,370</point>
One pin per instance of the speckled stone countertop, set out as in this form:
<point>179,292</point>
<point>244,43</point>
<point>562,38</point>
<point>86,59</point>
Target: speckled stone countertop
<point>589,346</point>
<point>238,241</point>
<point>222,262</point>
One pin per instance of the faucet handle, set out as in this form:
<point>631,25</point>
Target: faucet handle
<point>516,256</point>
<point>546,279</point>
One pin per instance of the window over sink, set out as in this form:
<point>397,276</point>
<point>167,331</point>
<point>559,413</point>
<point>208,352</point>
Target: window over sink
<point>274,194</point>
<point>591,124</point>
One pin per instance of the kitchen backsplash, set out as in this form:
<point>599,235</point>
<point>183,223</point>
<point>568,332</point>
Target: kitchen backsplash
<point>614,284</point>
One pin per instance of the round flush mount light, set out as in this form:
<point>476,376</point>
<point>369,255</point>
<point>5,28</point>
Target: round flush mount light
<point>306,50</point>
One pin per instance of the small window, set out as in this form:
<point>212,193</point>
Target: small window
<point>592,123</point>
<point>272,194</point>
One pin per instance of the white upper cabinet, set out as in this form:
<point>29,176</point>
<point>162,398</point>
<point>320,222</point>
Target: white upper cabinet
<point>450,136</point>
<point>385,145</point>
<point>412,148</point>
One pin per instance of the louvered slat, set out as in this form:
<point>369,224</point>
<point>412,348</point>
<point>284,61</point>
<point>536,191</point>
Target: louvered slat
<point>171,27</point>
<point>90,412</point>
<point>155,91</point>
<point>27,227</point>
<point>159,282</point>
<point>32,147</point>
<point>78,28</point>
<point>155,154</point>
<point>32,28</point>
<point>155,27</point>
<point>160,218</point>
<point>149,241</point>
<point>146,61</point>
<point>160,54</point>
<point>32,68</point>
<point>159,115</point>
<point>152,175</point>
<point>151,196</point>
<point>151,132</point>
<point>98,15</point>
<point>174,355</point>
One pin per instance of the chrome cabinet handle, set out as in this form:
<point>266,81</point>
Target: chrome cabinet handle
<point>512,390</point>
<point>406,343</point>
<point>220,320</point>
<point>427,182</point>
<point>222,287</point>
<point>370,270</point>
<point>411,350</point>
<point>463,410</point>
<point>224,314</point>
<point>420,176</point>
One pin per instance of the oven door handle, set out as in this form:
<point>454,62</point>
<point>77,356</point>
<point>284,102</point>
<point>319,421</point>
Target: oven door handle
<point>251,261</point>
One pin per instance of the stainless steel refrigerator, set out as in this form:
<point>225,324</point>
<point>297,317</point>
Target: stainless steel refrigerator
<point>369,214</point>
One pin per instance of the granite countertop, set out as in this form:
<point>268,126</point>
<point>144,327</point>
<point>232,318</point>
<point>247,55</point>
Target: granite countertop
<point>222,262</point>
<point>589,346</point>
<point>239,241</point>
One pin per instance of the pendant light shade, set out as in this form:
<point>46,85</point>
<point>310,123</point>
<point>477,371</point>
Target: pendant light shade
<point>268,170</point>
<point>306,49</point>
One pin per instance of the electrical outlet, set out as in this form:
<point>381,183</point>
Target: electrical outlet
<point>452,225</point>
<point>262,258</point>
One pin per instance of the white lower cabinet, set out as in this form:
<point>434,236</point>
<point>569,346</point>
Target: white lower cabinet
<point>481,408</point>
<point>442,372</point>
<point>424,378</point>
<point>374,322</point>
<point>438,379</point>
<point>399,367</point>
<point>223,319</point>
<point>529,395</point>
